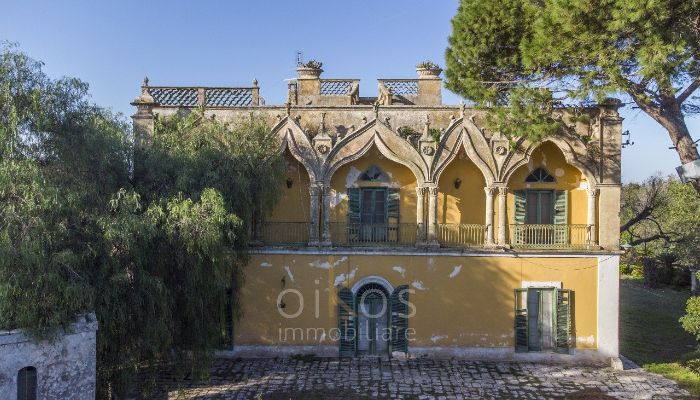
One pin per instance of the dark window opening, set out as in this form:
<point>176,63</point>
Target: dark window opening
<point>26,384</point>
<point>540,175</point>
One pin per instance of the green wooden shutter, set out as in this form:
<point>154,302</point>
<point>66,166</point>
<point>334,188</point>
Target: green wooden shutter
<point>392,214</point>
<point>346,322</point>
<point>561,233</point>
<point>521,338</point>
<point>353,224</point>
<point>561,200</point>
<point>399,319</point>
<point>519,216</point>
<point>563,319</point>
<point>520,206</point>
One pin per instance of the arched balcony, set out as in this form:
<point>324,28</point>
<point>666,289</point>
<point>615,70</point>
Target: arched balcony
<point>373,189</point>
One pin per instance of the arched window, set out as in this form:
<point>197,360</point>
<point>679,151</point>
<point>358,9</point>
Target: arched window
<point>540,175</point>
<point>26,384</point>
<point>374,174</point>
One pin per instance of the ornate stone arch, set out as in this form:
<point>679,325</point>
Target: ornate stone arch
<point>464,133</point>
<point>574,151</point>
<point>389,144</point>
<point>292,137</point>
<point>372,279</point>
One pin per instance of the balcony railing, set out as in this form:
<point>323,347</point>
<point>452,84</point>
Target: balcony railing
<point>460,235</point>
<point>343,234</point>
<point>549,236</point>
<point>526,236</point>
<point>285,233</point>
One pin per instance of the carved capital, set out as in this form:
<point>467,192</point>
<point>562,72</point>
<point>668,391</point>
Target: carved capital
<point>490,191</point>
<point>502,190</point>
<point>433,190</point>
<point>314,190</point>
<point>420,191</point>
<point>594,192</point>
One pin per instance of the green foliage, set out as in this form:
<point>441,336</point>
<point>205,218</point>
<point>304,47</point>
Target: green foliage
<point>660,218</point>
<point>312,64</point>
<point>531,57</point>
<point>150,253</point>
<point>691,320</point>
<point>428,65</point>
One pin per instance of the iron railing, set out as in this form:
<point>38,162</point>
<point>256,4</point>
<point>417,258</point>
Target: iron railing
<point>344,234</point>
<point>524,236</point>
<point>541,236</point>
<point>285,233</point>
<point>460,235</point>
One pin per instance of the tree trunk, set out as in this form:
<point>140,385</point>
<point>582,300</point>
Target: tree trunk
<point>671,118</point>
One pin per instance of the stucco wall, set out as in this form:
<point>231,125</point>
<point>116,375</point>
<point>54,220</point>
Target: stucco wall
<point>461,301</point>
<point>294,202</point>
<point>466,204</point>
<point>65,367</point>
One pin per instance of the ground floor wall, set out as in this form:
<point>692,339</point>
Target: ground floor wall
<point>460,301</point>
<point>64,368</point>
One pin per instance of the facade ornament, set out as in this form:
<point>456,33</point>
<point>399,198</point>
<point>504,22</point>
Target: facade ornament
<point>387,119</point>
<point>364,120</point>
<point>322,128</point>
<point>287,108</point>
<point>428,150</point>
<point>461,108</point>
<point>501,150</point>
<point>145,97</point>
<point>322,148</point>
<point>376,110</point>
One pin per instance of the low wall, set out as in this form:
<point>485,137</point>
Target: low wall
<point>65,367</point>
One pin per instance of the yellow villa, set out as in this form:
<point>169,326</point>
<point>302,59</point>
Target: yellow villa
<point>406,227</point>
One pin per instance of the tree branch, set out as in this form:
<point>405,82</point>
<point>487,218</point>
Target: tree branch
<point>688,91</point>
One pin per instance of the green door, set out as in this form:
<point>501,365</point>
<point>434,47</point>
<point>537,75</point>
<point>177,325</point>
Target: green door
<point>373,215</point>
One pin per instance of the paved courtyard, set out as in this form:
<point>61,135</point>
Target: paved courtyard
<point>416,379</point>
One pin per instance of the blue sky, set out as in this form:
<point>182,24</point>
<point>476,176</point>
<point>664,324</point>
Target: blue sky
<point>112,45</point>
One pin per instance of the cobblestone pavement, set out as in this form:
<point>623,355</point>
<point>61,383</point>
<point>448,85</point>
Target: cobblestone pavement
<point>345,379</point>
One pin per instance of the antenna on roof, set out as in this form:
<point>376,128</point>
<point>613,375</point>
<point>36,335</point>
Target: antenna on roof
<point>300,58</point>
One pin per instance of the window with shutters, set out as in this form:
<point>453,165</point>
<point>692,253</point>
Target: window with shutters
<point>26,384</point>
<point>373,211</point>
<point>542,319</point>
<point>541,217</point>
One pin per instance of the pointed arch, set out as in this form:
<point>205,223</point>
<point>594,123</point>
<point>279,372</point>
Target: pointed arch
<point>294,139</point>
<point>389,144</point>
<point>573,149</point>
<point>464,133</point>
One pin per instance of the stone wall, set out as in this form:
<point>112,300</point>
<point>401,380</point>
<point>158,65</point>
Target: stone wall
<point>65,366</point>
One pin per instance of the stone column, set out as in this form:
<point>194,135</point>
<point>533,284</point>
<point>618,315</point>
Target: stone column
<point>502,216</point>
<point>592,213</point>
<point>432,216</point>
<point>420,215</point>
<point>326,215</point>
<point>489,238</point>
<point>314,214</point>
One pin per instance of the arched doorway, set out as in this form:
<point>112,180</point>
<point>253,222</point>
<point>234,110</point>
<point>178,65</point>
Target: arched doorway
<point>373,318</point>
<point>373,334</point>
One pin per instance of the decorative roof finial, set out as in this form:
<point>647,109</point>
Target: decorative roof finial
<point>461,108</point>
<point>145,81</point>
<point>376,110</point>
<point>255,82</point>
<point>288,108</point>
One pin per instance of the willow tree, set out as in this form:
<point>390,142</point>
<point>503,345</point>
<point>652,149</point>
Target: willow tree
<point>152,257</point>
<point>529,56</point>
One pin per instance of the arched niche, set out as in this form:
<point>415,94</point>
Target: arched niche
<point>349,175</point>
<point>294,201</point>
<point>461,199</point>
<point>549,157</point>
